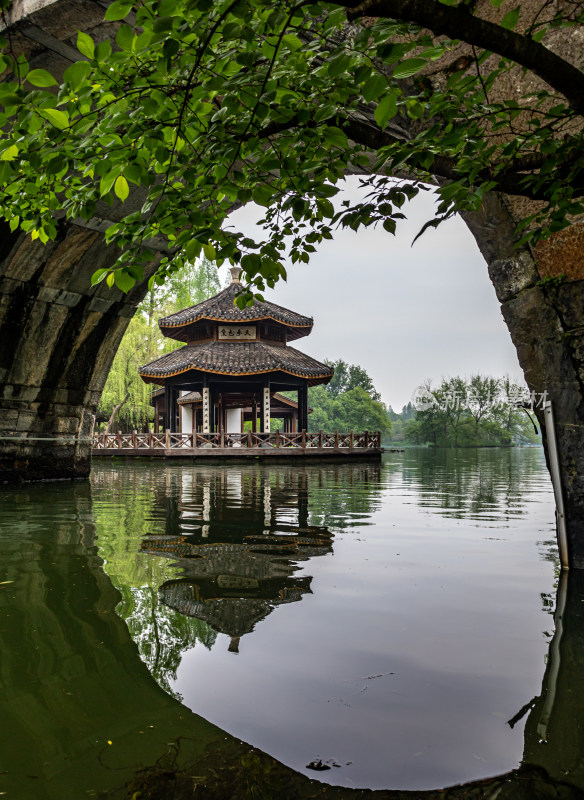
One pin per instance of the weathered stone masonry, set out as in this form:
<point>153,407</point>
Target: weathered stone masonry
<point>59,337</point>
<point>542,302</point>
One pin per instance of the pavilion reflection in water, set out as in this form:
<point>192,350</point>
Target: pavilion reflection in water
<point>240,537</point>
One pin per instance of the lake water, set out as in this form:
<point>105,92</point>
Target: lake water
<point>390,622</point>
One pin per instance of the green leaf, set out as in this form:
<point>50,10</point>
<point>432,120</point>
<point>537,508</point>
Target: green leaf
<point>133,172</point>
<point>98,276</point>
<point>57,118</point>
<point>209,252</point>
<point>123,280</point>
<point>76,73</point>
<point>408,68</point>
<point>251,263</point>
<point>374,87</point>
<point>121,188</point>
<point>193,250</point>
<point>103,51</point>
<point>386,109</point>
<point>55,165</point>
<point>85,44</point>
<point>262,195</point>
<point>41,78</point>
<point>511,19</point>
<point>10,153</point>
<point>118,10</point>
<point>292,42</point>
<point>125,37</point>
<point>108,181</point>
<point>335,136</point>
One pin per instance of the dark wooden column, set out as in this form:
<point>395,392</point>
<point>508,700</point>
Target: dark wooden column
<point>167,406</point>
<point>303,407</point>
<point>254,415</point>
<point>170,408</point>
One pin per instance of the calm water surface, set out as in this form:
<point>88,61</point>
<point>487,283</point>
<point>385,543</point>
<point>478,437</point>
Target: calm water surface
<point>388,620</point>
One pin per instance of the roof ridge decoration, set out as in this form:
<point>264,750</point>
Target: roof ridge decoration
<point>221,308</point>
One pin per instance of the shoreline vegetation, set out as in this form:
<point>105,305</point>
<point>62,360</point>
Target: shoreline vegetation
<point>480,411</point>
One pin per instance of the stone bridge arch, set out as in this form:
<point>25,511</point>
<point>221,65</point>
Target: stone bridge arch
<point>59,335</point>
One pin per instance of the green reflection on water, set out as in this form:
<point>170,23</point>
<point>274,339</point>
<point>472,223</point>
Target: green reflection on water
<point>70,676</point>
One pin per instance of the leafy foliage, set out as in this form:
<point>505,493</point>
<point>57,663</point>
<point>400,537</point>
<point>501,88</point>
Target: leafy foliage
<point>348,402</point>
<point>474,412</point>
<point>143,342</point>
<point>198,106</point>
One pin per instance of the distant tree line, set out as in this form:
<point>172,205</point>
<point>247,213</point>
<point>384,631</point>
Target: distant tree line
<point>460,412</point>
<point>348,402</point>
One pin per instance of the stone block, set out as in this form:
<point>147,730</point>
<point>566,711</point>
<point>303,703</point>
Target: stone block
<point>570,301</point>
<point>69,299</point>
<point>510,276</point>
<point>67,425</point>
<point>8,419</point>
<point>100,305</point>
<point>26,421</point>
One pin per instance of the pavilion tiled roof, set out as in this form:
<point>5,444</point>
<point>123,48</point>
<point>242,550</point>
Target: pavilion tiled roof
<point>221,308</point>
<point>190,397</point>
<point>236,358</point>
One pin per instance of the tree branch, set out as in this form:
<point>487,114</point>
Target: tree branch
<point>457,23</point>
<point>509,180</point>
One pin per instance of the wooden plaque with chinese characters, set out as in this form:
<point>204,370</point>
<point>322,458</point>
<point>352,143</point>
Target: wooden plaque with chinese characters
<point>237,333</point>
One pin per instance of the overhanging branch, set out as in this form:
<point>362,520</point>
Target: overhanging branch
<point>457,22</point>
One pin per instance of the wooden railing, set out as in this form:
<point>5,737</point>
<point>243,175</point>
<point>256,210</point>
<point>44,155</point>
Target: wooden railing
<point>369,440</point>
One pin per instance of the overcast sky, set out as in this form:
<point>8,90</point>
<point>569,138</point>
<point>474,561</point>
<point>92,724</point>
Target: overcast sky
<point>402,313</point>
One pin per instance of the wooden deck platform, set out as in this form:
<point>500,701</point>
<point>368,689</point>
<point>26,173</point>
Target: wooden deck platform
<point>239,445</point>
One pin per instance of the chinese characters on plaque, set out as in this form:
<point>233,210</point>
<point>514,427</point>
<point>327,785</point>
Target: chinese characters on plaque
<point>237,333</point>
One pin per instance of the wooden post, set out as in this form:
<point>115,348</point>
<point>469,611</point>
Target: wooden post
<point>206,410</point>
<point>222,440</point>
<point>320,438</point>
<point>150,439</point>
<point>303,407</point>
<point>168,438</point>
<point>278,438</point>
<point>119,440</point>
<point>266,404</point>
<point>336,440</point>
<point>351,439</point>
<point>167,404</point>
<point>366,439</point>
<point>304,438</point>
<point>249,438</point>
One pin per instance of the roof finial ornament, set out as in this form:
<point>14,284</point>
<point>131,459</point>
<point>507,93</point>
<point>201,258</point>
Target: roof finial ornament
<point>235,273</point>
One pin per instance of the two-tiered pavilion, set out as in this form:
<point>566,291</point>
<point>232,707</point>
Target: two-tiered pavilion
<point>234,365</point>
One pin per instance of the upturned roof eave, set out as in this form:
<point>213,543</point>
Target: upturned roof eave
<point>211,310</point>
<point>313,380</point>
